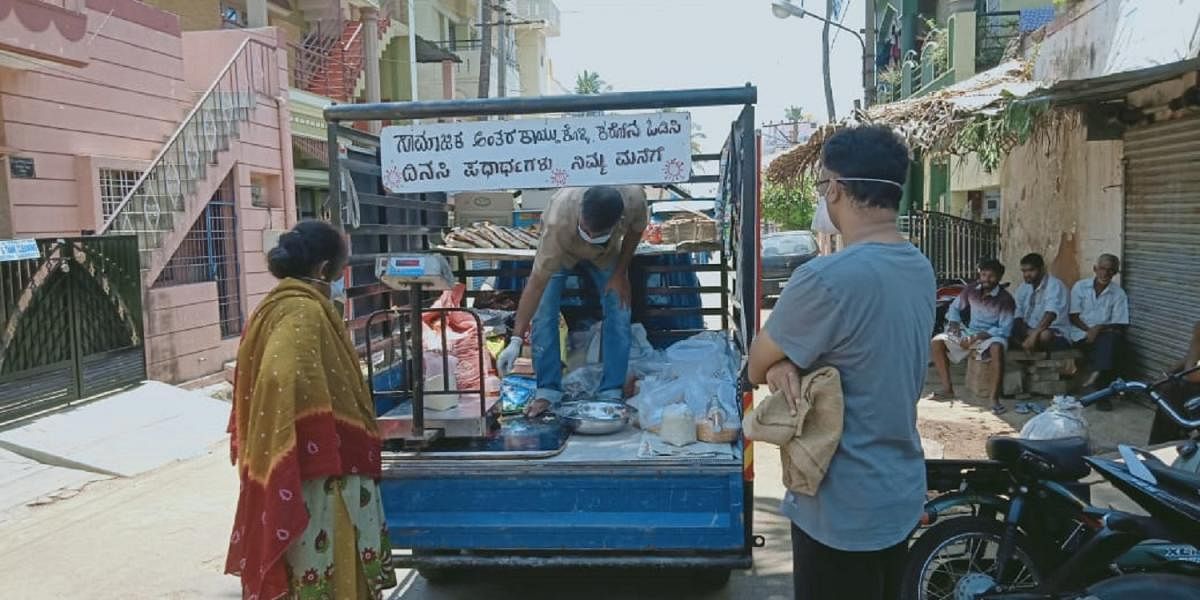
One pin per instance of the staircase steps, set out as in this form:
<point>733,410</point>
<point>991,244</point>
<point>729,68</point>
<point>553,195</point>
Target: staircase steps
<point>166,200</point>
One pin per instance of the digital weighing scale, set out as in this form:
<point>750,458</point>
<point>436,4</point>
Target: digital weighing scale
<point>410,421</point>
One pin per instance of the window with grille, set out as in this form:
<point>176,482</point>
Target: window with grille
<point>210,253</point>
<point>114,185</point>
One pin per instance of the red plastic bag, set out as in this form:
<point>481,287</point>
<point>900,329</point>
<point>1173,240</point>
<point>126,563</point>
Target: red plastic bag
<point>462,339</point>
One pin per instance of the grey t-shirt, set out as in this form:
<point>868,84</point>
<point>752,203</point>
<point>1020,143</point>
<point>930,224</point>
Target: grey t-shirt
<point>868,312</point>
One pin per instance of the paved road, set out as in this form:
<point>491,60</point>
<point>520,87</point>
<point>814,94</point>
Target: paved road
<point>162,536</point>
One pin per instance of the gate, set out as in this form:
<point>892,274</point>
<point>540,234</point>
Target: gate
<point>954,246</point>
<point>71,323</point>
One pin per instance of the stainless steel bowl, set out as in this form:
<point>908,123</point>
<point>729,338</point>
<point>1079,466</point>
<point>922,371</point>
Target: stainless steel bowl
<point>595,417</point>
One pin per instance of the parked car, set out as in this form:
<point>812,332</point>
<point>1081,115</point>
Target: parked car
<point>782,253</point>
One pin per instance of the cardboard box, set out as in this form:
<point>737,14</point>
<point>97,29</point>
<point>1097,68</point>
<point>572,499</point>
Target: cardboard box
<point>474,207</point>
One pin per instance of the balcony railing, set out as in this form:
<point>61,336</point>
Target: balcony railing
<point>541,10</point>
<point>460,45</point>
<point>994,33</point>
<point>475,45</point>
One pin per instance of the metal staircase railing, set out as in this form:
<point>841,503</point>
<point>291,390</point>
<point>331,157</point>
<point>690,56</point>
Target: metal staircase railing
<point>165,194</point>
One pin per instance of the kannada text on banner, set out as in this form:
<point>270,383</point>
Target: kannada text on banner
<point>537,153</point>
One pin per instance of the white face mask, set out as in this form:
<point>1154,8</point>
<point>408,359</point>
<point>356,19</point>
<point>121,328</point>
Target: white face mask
<point>337,290</point>
<point>599,240</point>
<point>821,222</point>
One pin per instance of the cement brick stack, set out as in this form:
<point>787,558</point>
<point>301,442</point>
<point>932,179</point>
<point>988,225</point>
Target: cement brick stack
<point>1025,375</point>
<point>1039,373</point>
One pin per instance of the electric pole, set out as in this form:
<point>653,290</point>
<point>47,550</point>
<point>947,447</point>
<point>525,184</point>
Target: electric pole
<point>485,48</point>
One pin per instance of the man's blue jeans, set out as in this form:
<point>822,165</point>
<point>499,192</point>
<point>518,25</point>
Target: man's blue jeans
<point>614,349</point>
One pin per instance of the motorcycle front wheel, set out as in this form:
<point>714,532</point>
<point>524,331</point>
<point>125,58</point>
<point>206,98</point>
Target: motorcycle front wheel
<point>956,560</point>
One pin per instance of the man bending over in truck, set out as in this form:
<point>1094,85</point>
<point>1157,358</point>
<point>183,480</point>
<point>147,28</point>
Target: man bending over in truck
<point>867,311</point>
<point>597,229</point>
<point>992,309</point>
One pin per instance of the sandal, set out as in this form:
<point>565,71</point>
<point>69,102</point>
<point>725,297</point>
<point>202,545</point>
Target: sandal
<point>939,397</point>
<point>999,409</point>
<point>1023,408</point>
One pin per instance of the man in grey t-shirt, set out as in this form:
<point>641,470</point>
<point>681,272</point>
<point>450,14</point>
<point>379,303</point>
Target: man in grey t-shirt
<point>866,311</point>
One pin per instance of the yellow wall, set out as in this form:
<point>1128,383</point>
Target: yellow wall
<point>194,15</point>
<point>967,174</point>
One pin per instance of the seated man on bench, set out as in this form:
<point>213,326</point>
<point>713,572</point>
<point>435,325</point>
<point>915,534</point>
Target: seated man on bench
<point>1099,315</point>
<point>1041,321</point>
<point>992,309</point>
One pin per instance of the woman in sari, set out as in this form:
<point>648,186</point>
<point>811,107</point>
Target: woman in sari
<point>309,520</point>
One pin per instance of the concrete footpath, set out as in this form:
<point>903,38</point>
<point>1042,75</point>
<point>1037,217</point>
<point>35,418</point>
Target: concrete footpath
<point>120,436</point>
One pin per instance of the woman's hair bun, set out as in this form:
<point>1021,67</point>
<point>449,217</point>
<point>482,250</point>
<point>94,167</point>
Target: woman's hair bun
<point>300,250</point>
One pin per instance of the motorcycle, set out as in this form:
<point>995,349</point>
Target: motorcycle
<point>1021,523</point>
<point>947,292</point>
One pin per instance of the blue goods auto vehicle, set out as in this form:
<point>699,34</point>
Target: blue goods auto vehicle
<point>504,491</point>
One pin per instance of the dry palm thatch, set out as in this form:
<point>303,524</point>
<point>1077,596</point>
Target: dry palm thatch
<point>930,124</point>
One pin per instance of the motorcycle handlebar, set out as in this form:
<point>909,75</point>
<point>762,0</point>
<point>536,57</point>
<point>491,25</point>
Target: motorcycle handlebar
<point>1100,394</point>
<point>1121,387</point>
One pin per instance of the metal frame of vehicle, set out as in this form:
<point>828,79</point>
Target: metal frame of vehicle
<point>541,514</point>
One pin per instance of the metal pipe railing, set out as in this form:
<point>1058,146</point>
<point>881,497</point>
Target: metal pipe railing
<point>233,71</point>
<point>389,111</point>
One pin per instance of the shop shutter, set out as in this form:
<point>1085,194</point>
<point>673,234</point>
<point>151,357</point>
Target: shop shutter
<point>1162,241</point>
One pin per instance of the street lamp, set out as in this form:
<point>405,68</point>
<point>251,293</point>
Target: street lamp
<point>785,8</point>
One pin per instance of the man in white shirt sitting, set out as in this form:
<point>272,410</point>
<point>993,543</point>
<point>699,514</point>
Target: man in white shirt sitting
<point>1041,321</point>
<point>1099,315</point>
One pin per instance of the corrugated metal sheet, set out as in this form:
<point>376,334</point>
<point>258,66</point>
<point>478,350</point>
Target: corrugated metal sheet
<point>1162,240</point>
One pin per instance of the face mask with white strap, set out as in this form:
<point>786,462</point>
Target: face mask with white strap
<point>821,222</point>
<point>599,240</point>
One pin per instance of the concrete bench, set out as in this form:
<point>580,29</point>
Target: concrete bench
<point>1025,374</point>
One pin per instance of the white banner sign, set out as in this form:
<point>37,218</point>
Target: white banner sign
<point>538,153</point>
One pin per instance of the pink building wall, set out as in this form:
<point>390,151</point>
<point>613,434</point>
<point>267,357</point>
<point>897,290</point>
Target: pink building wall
<point>114,111</point>
<point>140,76</point>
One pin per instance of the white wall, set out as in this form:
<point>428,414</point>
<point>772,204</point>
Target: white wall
<point>1103,37</point>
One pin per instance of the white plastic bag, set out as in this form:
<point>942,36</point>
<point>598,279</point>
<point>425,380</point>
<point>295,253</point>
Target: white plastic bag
<point>583,382</point>
<point>1063,419</point>
<point>678,425</point>
<point>639,344</point>
<point>704,355</point>
<point>654,394</point>
<point>435,379</point>
<point>702,393</point>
